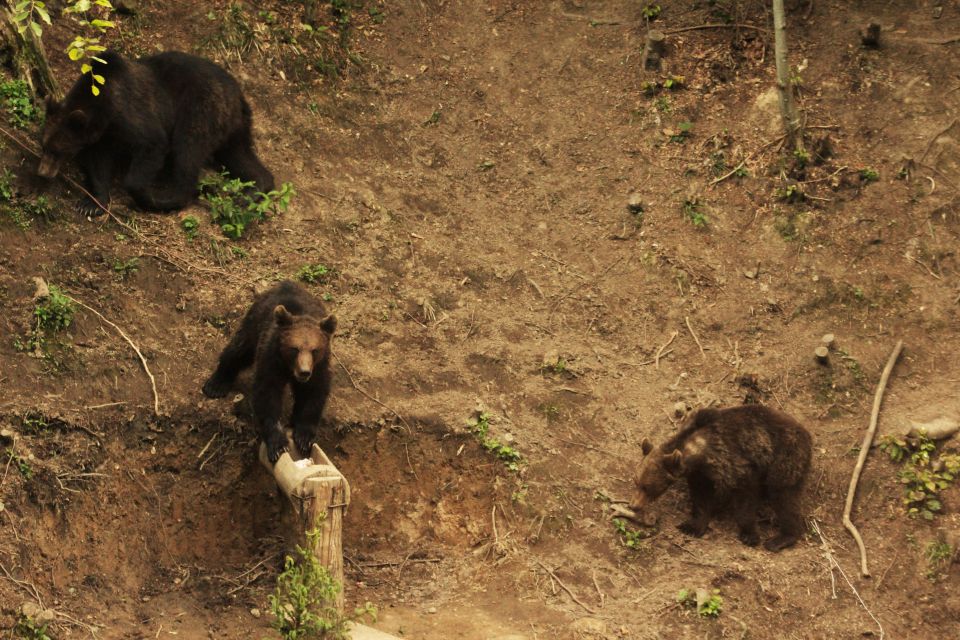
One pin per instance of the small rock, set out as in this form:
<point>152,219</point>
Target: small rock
<point>870,35</point>
<point>255,612</point>
<point>752,273</point>
<point>43,291</point>
<point>432,610</point>
<point>680,409</point>
<point>635,203</point>
<point>551,358</point>
<point>939,429</point>
<point>822,354</point>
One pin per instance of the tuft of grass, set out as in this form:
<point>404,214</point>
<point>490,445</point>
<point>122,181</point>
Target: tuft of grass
<point>938,555</point>
<point>234,206</point>
<point>19,105</point>
<point>480,427</point>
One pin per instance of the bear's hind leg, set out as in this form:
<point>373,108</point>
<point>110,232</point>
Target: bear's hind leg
<point>97,165</point>
<point>786,507</point>
<point>236,356</point>
<point>745,514</point>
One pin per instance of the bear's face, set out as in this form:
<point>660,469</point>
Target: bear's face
<point>304,341</point>
<point>65,133</point>
<point>657,472</point>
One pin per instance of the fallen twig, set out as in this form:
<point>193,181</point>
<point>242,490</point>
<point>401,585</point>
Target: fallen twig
<point>864,451</point>
<point>143,361</point>
<point>934,139</point>
<point>566,588</point>
<point>828,553</point>
<point>695,338</point>
<point>728,174</point>
<point>929,270</point>
<point>656,358</point>
<point>718,25</point>
<point>367,395</point>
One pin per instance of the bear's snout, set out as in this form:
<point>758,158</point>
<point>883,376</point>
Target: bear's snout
<point>302,376</point>
<point>49,167</point>
<point>304,366</point>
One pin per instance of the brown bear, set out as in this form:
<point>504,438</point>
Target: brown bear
<point>156,123</point>
<point>733,459</point>
<point>286,336</point>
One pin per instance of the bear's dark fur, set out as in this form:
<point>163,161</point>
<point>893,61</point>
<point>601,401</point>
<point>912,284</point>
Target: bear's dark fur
<point>732,459</point>
<point>286,337</point>
<point>156,123</point>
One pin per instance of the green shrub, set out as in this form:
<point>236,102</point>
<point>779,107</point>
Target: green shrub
<point>234,205</point>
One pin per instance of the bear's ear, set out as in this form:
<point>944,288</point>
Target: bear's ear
<point>329,324</point>
<point>281,315</point>
<point>77,120</point>
<point>674,462</point>
<point>646,446</point>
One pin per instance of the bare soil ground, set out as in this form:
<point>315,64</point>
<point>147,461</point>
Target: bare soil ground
<point>468,182</point>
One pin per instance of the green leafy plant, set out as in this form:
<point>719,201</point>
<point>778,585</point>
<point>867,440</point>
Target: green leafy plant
<point>21,463</point>
<point>682,133</point>
<point>630,537</point>
<point>304,603</point>
<point>6,186</point>
<point>56,312</point>
<point>869,175</point>
<point>802,156</point>
<point>124,268</point>
<point>708,605</point>
<point>651,12</point>
<point>234,205</point>
<point>692,211</point>
<point>433,119</point>
<point>663,104</point>
<point>190,226</point>
<point>923,473</point>
<point>19,104</point>
<point>673,83</point>
<point>314,273</point>
<point>480,427</point>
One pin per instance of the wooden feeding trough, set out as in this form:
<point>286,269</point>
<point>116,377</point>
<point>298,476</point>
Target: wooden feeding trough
<point>318,495</point>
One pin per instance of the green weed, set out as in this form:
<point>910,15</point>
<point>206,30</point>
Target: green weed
<point>234,205</point>
<point>708,607</point>
<point>651,12</point>
<point>314,273</point>
<point>923,473</point>
<point>938,555</point>
<point>55,313</point>
<point>480,427</point>
<point>629,537</point>
<point>7,190</point>
<point>304,603</point>
<point>674,83</point>
<point>125,268</point>
<point>692,211</point>
<point>21,463</point>
<point>663,104</point>
<point>869,175</point>
<point>29,629</point>
<point>682,133</point>
<point>18,103</point>
<point>190,226</point>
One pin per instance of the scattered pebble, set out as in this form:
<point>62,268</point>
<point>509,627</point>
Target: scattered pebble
<point>255,612</point>
<point>432,610</point>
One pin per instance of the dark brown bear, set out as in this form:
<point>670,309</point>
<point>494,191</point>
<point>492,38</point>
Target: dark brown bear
<point>732,459</point>
<point>286,337</point>
<point>156,123</point>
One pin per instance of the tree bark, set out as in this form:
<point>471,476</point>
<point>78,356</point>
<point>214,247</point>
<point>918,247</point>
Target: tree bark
<point>27,59</point>
<point>788,108</point>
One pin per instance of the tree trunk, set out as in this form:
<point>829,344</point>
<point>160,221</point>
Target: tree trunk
<point>27,58</point>
<point>788,108</point>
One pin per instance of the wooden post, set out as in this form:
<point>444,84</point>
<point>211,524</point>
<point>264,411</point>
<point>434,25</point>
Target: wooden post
<point>654,49</point>
<point>319,495</point>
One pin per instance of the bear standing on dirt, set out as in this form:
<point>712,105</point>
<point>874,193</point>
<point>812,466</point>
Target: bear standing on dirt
<point>286,336</point>
<point>156,123</point>
<point>733,458</point>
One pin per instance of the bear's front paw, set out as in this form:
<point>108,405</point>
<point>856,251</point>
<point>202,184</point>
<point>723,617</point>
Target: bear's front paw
<point>214,387</point>
<point>750,538</point>
<point>304,439</point>
<point>90,209</point>
<point>780,542</point>
<point>692,528</point>
<point>275,450</point>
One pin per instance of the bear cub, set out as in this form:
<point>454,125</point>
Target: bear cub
<point>286,336</point>
<point>733,459</point>
<point>157,122</point>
